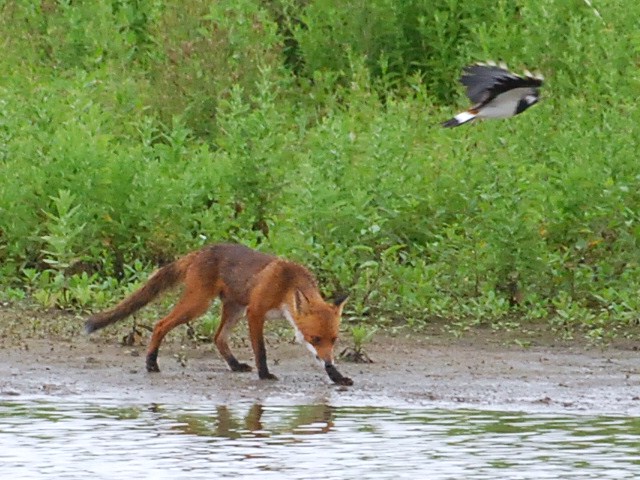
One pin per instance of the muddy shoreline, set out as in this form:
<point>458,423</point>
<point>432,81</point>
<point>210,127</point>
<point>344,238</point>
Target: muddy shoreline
<point>435,370</point>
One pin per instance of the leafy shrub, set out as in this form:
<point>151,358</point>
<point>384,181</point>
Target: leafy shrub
<point>133,131</point>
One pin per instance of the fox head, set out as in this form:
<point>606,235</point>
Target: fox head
<point>317,324</point>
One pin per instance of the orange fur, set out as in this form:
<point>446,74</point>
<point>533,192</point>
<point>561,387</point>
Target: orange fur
<point>248,282</point>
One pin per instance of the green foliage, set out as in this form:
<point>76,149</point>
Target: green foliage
<point>395,39</point>
<point>204,52</point>
<point>132,131</point>
<point>63,232</point>
<point>207,327</point>
<point>361,335</point>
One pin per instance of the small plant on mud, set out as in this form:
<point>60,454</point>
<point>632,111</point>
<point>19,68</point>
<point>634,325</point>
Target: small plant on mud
<point>204,330</point>
<point>135,337</point>
<point>181,358</point>
<point>360,334</point>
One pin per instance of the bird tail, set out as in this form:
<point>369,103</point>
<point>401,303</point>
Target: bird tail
<point>459,119</point>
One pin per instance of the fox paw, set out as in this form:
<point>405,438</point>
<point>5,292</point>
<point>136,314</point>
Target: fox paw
<point>152,367</point>
<point>241,367</point>
<point>268,376</point>
<point>336,377</point>
<point>152,362</point>
<point>344,381</point>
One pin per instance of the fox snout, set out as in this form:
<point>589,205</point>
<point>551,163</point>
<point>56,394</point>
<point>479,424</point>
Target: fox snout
<point>322,357</point>
<point>322,349</point>
<point>325,360</point>
<point>323,353</point>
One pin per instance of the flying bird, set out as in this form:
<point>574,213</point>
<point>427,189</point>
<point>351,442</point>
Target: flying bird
<point>496,92</point>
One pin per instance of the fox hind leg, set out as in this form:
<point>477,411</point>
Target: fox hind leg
<point>192,304</point>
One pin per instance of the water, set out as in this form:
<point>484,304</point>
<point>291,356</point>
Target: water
<point>102,440</point>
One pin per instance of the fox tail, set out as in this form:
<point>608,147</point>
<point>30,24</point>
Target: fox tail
<point>163,279</point>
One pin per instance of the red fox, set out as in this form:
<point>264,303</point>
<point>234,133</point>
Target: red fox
<point>249,283</point>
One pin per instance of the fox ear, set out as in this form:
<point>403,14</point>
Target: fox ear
<point>300,301</point>
<point>340,300</point>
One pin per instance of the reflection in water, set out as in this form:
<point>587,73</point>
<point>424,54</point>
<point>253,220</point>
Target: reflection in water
<point>73,441</point>
<point>305,419</point>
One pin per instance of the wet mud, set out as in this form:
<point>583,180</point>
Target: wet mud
<point>480,370</point>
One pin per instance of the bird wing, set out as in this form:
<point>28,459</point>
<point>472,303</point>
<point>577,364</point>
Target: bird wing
<point>484,82</point>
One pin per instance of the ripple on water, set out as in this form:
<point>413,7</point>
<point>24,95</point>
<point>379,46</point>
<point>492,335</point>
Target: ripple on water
<point>106,440</point>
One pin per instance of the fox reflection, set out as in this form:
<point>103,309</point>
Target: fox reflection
<point>257,422</point>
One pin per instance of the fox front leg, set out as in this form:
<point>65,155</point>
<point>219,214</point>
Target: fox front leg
<point>335,376</point>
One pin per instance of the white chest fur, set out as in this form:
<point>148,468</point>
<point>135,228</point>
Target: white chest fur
<point>283,312</point>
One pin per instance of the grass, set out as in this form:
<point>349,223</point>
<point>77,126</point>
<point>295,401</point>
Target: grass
<point>134,131</point>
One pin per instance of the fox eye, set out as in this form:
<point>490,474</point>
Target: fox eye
<point>315,340</point>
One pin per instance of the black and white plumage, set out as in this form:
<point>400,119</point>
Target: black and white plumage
<point>496,92</point>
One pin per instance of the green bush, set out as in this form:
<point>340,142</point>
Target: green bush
<point>132,131</point>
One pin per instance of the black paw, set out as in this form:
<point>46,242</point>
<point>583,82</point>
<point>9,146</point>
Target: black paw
<point>344,381</point>
<point>241,367</point>
<point>152,362</point>
<point>152,367</point>
<point>268,376</point>
<point>335,376</point>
